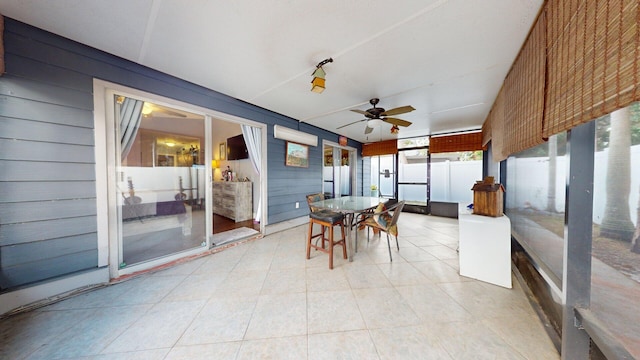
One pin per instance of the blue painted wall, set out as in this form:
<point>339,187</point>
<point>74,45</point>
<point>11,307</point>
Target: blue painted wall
<point>47,170</point>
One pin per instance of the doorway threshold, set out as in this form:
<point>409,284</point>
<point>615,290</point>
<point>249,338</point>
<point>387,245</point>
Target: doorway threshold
<point>229,236</point>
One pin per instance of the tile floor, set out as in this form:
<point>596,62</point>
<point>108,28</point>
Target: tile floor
<point>264,300</point>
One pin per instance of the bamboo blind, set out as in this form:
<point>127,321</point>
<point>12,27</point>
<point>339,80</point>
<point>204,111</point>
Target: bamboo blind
<point>592,59</point>
<point>388,147</point>
<point>524,94</point>
<point>458,142</point>
<point>592,55</point>
<point>486,131</point>
<point>496,117</point>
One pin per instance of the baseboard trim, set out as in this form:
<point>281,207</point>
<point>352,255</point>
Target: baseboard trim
<point>51,291</point>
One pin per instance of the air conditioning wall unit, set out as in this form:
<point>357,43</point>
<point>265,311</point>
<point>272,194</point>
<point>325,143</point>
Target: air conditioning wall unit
<point>285,133</point>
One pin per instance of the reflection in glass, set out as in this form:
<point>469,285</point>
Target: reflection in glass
<point>160,180</point>
<point>615,266</point>
<point>535,201</point>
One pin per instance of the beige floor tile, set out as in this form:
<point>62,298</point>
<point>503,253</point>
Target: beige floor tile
<point>222,319</point>
<point>366,276</point>
<point>384,307</point>
<point>432,305</point>
<point>333,311</point>
<point>278,316</point>
<point>160,327</point>
<point>293,348</point>
<point>263,299</point>
<point>474,340</point>
<point>220,351</point>
<point>324,279</point>
<point>354,345</point>
<point>400,274</point>
<point>411,342</point>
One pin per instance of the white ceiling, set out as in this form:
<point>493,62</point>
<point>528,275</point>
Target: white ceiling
<point>446,58</point>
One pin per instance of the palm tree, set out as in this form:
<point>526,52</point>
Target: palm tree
<point>553,155</point>
<point>616,223</point>
<point>635,241</point>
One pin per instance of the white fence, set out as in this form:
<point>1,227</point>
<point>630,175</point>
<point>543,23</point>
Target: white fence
<point>528,182</point>
<point>451,181</point>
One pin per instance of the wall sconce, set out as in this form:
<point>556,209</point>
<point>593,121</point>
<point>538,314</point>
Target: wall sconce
<point>215,164</point>
<point>317,84</point>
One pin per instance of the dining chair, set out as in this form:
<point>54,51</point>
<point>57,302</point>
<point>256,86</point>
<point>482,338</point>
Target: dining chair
<point>383,219</point>
<point>327,220</point>
<point>311,198</point>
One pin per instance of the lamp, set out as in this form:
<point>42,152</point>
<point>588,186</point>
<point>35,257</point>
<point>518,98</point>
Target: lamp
<point>215,164</point>
<point>317,84</point>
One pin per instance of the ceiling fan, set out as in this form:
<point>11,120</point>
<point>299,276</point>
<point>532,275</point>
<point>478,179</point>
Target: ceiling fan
<point>376,115</point>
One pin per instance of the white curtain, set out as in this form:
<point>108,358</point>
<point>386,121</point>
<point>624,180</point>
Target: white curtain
<point>252,137</point>
<point>130,117</point>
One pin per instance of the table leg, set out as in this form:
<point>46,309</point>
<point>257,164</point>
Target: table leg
<point>348,217</point>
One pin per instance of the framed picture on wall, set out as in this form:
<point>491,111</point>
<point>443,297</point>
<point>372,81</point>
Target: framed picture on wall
<point>297,155</point>
<point>223,151</point>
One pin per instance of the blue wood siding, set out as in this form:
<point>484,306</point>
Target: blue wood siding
<point>47,166</point>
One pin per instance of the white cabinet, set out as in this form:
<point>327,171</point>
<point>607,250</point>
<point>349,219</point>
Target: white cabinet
<point>485,247</point>
<point>233,200</point>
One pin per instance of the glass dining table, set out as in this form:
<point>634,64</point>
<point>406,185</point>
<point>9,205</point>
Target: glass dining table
<point>350,206</point>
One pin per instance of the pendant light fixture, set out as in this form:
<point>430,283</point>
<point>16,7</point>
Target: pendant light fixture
<point>317,84</point>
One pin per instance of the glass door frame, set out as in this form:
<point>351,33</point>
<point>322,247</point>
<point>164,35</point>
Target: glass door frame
<point>106,178</point>
<point>337,149</point>
<point>422,209</point>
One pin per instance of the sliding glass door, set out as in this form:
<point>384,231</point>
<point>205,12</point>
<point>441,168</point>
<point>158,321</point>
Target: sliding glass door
<point>338,174</point>
<point>413,179</point>
<point>383,176</point>
<point>160,180</point>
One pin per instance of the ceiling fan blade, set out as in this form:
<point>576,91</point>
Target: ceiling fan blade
<point>396,121</point>
<point>368,130</point>
<point>398,110</point>
<point>355,122</point>
<point>365,113</point>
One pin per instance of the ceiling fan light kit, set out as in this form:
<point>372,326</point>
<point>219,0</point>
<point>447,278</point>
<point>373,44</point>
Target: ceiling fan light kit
<point>376,116</point>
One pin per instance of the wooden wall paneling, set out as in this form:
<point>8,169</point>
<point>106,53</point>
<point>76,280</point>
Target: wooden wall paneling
<point>37,231</point>
<point>47,132</point>
<point>13,107</point>
<point>20,150</point>
<point>47,269</point>
<point>46,210</point>
<point>37,91</point>
<point>39,171</point>
<point>46,73</point>
<point>24,253</point>
<point>19,191</point>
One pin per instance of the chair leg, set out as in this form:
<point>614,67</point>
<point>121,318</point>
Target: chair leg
<point>309,240</point>
<point>344,243</point>
<point>331,248</point>
<point>389,246</point>
<point>397,246</point>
